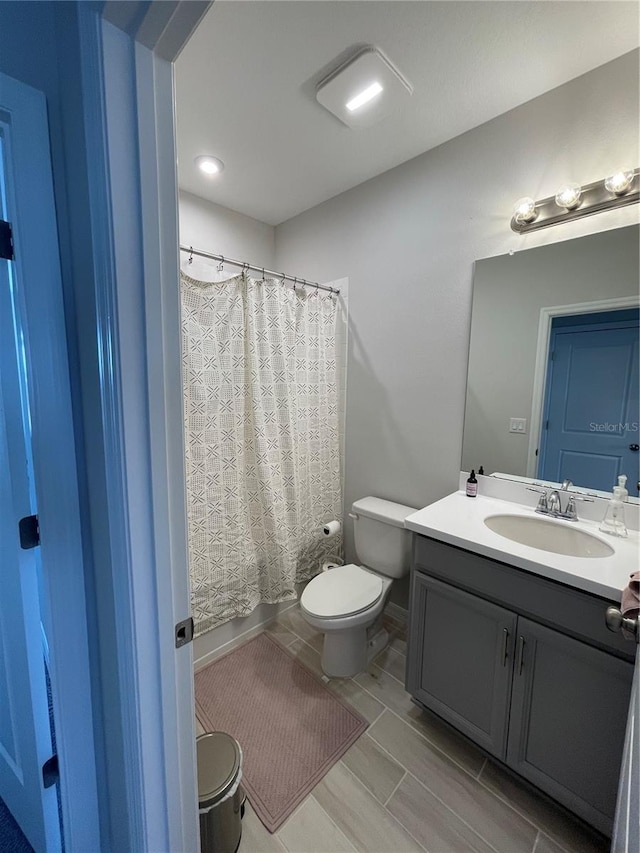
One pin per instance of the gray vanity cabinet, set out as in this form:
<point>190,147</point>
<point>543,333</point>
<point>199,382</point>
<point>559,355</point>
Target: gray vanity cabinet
<point>525,667</point>
<point>568,719</point>
<point>465,666</point>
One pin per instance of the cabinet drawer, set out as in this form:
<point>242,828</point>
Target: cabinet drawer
<point>563,608</point>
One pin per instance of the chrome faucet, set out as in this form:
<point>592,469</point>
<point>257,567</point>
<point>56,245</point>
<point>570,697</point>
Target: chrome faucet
<point>554,504</point>
<point>551,503</point>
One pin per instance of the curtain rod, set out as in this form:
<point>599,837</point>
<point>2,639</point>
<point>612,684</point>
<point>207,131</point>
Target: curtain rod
<point>263,270</point>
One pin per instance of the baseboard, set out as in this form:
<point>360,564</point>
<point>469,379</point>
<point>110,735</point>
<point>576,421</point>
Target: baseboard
<point>212,645</point>
<point>396,612</point>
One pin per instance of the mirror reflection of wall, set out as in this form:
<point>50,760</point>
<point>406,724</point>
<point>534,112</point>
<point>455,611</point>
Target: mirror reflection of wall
<point>573,416</point>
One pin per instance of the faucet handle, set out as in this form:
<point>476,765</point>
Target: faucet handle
<point>542,503</point>
<point>571,511</point>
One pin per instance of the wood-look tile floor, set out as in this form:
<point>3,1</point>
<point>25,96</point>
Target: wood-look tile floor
<point>410,783</point>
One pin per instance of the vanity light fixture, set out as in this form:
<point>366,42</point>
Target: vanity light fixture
<point>620,182</point>
<point>525,210</point>
<point>209,165</point>
<point>569,196</point>
<point>573,201</point>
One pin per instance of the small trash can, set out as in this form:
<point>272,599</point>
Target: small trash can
<point>220,795</point>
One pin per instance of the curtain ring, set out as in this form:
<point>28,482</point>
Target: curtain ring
<point>221,264</point>
<point>190,258</point>
<point>263,275</point>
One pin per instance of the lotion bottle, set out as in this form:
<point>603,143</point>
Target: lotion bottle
<point>613,522</point>
<point>472,485</point>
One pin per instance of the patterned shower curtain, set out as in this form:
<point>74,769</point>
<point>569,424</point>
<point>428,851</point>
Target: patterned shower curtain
<point>262,442</point>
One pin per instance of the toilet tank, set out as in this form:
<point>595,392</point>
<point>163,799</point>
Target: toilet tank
<point>382,542</point>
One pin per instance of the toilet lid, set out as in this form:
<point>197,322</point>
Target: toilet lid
<point>343,591</point>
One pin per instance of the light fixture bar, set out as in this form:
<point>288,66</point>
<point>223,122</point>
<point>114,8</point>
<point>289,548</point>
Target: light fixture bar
<point>594,199</point>
<point>364,97</point>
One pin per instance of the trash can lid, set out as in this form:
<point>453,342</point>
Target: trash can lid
<point>218,757</point>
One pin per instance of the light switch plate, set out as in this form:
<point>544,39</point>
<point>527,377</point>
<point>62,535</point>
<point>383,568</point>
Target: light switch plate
<point>518,425</point>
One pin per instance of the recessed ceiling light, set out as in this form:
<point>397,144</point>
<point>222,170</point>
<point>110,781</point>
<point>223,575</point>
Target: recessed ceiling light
<point>209,165</point>
<point>364,97</point>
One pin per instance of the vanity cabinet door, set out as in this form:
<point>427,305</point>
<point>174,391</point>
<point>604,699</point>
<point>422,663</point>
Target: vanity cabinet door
<point>460,660</point>
<point>568,717</point>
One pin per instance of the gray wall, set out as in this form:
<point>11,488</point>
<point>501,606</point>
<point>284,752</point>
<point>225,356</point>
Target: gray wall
<point>221,231</point>
<point>508,293</point>
<point>407,241</point>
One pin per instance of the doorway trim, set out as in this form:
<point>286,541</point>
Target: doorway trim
<point>547,316</point>
<point>135,419</point>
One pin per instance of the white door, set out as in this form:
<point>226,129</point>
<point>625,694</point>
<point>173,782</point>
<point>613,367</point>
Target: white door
<point>25,738</point>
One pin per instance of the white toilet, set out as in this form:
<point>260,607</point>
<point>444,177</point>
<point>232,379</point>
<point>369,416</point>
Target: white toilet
<point>346,603</point>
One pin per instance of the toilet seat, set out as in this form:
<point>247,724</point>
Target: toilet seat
<point>343,591</point>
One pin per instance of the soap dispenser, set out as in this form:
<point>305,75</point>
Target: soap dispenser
<point>613,522</point>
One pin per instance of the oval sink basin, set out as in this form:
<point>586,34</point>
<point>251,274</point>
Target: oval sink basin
<point>557,537</point>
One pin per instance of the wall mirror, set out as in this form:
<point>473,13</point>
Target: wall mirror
<point>552,385</point>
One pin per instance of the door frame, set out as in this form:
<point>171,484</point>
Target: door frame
<point>547,316</point>
<point>135,419</point>
<point>63,595</point>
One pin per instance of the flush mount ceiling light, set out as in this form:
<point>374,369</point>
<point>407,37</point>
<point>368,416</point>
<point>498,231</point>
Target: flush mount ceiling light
<point>364,97</point>
<point>209,165</point>
<point>364,89</point>
<point>573,201</point>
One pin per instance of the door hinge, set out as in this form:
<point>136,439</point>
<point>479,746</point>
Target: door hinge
<point>6,241</point>
<point>546,424</point>
<point>29,532</point>
<point>50,772</point>
<point>184,632</point>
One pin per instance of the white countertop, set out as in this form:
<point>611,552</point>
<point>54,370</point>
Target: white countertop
<point>459,520</point>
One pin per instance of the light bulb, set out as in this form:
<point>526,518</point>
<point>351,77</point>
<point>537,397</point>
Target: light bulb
<point>209,165</point>
<point>569,196</point>
<point>525,210</point>
<point>364,97</point>
<point>620,182</point>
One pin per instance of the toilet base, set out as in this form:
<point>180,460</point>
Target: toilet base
<point>346,653</point>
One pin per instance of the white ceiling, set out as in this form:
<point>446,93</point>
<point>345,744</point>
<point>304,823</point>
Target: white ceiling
<point>245,85</point>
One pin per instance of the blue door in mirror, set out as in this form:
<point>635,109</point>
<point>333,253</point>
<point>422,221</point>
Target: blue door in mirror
<point>591,417</point>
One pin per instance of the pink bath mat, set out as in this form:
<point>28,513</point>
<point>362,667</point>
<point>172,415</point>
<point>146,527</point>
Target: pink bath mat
<point>291,727</point>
